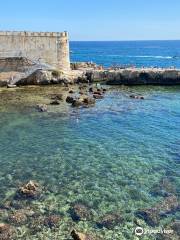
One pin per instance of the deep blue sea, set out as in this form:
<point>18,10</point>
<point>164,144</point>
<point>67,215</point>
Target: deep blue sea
<point>113,159</point>
<point>139,53</point>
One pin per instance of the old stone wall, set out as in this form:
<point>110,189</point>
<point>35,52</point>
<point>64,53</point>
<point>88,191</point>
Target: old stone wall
<point>41,47</point>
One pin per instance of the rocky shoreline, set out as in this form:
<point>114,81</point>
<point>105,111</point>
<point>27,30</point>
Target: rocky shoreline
<point>136,76</point>
<point>90,73</point>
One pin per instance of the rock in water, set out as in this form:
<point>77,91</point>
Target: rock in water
<point>29,190</point>
<point>81,236</point>
<point>98,96</point>
<point>110,220</point>
<point>89,101</point>
<point>80,212</point>
<point>77,103</point>
<point>41,107</point>
<point>176,226</point>
<point>18,218</point>
<point>152,215</point>
<point>91,89</point>
<point>136,96</point>
<point>6,232</point>
<point>55,102</point>
<point>52,221</point>
<point>69,99</point>
<point>170,204</point>
<point>83,101</point>
<point>71,91</point>
<point>57,97</point>
<point>163,188</point>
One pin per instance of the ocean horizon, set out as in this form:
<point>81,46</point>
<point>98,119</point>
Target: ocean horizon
<point>153,53</point>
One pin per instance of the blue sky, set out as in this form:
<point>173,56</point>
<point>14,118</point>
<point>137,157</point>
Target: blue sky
<point>95,19</point>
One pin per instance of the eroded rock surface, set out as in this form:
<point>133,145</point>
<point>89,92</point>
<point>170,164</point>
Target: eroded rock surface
<point>29,190</point>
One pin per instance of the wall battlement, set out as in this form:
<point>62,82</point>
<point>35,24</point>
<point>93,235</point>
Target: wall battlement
<point>34,34</point>
<point>50,48</point>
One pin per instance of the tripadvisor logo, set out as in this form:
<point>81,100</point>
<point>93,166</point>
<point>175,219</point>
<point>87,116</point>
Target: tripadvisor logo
<point>139,231</point>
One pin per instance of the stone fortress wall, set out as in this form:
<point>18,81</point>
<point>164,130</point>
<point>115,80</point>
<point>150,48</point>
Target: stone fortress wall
<point>50,48</point>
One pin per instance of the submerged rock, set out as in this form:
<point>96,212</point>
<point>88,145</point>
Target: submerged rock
<point>18,218</point>
<point>29,190</point>
<point>81,236</point>
<point>98,92</point>
<point>58,96</point>
<point>69,99</point>
<point>171,231</point>
<point>52,221</point>
<point>110,220</point>
<point>176,226</point>
<point>77,103</point>
<point>42,107</point>
<point>71,91</point>
<point>91,90</point>
<point>152,215</point>
<point>98,96</point>
<point>170,204</point>
<point>36,224</point>
<point>80,212</point>
<point>136,96</point>
<point>163,188</point>
<point>6,232</point>
<point>55,102</point>
<point>66,88</point>
<point>83,101</point>
<point>5,205</point>
<point>89,100</point>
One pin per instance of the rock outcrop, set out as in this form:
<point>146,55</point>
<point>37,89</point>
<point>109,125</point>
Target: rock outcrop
<point>135,76</point>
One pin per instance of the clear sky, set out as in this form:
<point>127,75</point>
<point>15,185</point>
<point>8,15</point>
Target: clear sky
<point>95,19</point>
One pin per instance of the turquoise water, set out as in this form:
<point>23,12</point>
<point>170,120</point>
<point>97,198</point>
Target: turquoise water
<point>107,157</point>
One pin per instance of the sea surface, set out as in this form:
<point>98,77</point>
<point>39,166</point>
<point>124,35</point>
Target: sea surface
<point>137,53</point>
<point>111,158</point>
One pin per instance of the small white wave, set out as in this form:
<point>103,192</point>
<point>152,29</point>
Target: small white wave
<point>161,57</point>
<point>145,56</point>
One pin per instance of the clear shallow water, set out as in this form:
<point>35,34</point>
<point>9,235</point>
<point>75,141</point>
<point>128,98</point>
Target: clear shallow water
<point>108,157</point>
<point>139,53</point>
